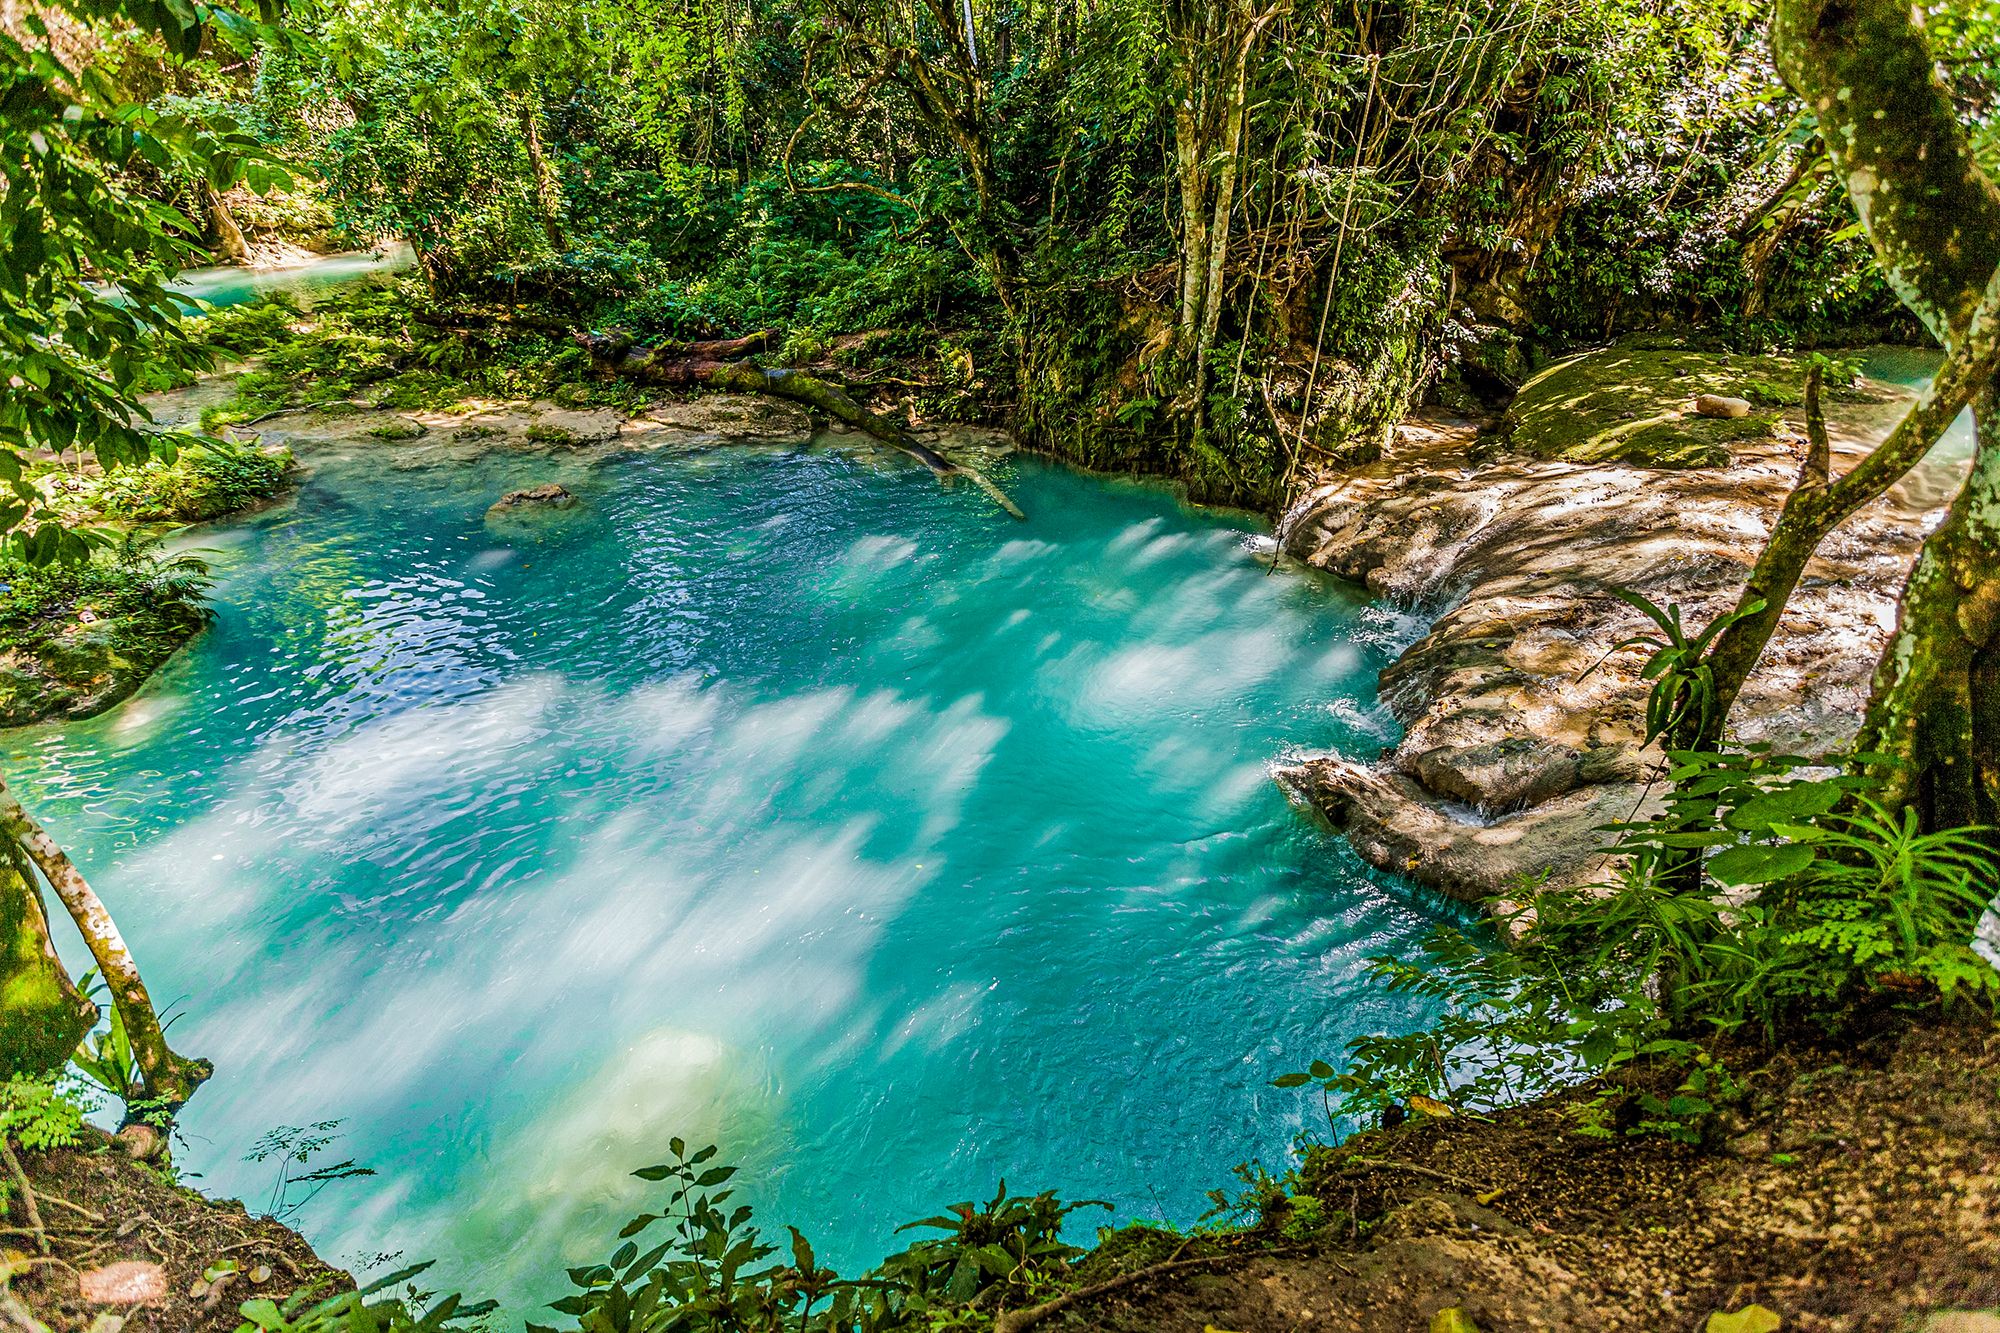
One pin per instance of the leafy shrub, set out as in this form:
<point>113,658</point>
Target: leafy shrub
<point>368,1310</point>
<point>214,478</point>
<point>36,1114</point>
<point>39,602</point>
<point>711,1275</point>
<point>1814,904</point>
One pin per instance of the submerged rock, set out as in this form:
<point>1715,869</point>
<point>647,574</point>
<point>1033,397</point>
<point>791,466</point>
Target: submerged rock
<point>548,495</point>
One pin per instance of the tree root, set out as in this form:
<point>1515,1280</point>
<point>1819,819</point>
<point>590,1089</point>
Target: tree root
<point>1016,1321</point>
<point>28,1207</point>
<point>1385,1164</point>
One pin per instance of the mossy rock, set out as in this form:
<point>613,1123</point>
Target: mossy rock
<point>78,671</point>
<point>1628,404</point>
<point>400,429</point>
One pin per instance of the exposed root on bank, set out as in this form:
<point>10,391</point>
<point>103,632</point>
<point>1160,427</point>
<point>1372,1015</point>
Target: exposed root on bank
<point>1018,1321</point>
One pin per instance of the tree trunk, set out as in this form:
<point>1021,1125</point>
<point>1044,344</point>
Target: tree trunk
<point>1224,206</point>
<point>1188,157</point>
<point>228,236</point>
<point>1819,504</point>
<point>1864,68</point>
<point>548,199</point>
<point>167,1078</point>
<point>42,1018</point>
<point>1935,713</point>
<point>1933,216</point>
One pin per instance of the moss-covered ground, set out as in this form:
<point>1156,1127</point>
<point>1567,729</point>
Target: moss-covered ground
<point>76,639</point>
<point>1634,403</point>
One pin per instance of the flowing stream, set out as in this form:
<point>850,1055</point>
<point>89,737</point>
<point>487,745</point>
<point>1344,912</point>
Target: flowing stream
<point>773,797</point>
<point>227,284</point>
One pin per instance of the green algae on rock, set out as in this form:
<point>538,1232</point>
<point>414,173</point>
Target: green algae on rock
<point>1635,404</point>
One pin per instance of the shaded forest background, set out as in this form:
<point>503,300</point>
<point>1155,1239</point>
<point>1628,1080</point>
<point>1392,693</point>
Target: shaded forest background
<point>1219,240</point>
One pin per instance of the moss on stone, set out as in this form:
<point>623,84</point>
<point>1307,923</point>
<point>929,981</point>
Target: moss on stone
<point>74,641</point>
<point>1636,405</point>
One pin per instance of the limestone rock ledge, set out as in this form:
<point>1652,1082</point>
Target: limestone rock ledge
<point>1397,823</point>
<point>1522,737</point>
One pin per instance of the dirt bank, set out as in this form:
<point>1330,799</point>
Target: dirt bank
<point>1856,1189</point>
<point>126,1242</point>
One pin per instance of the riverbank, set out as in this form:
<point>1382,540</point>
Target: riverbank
<point>1853,1189</point>
<point>128,1245</point>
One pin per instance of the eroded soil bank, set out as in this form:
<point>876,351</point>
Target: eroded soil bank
<point>1854,1189</point>
<point>1516,750</point>
<point>124,1242</point>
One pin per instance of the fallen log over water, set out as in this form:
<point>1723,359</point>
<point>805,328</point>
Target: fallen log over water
<point>711,365</point>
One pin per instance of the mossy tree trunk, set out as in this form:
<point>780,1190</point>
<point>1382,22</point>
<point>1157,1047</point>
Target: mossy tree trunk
<point>1933,217</point>
<point>42,1017</point>
<point>1820,502</point>
<point>1935,714</point>
<point>167,1079</point>
<point>1213,41</point>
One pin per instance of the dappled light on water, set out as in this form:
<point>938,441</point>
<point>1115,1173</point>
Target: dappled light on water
<point>766,798</point>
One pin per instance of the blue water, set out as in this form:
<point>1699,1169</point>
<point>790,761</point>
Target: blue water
<point>227,285</point>
<point>775,798</point>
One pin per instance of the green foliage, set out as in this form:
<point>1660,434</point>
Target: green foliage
<point>712,1273</point>
<point>39,603</point>
<point>36,1114</point>
<point>104,1057</point>
<point>1838,905</point>
<point>369,1310</point>
<point>75,351</point>
<point>294,1147</point>
<point>1683,693</point>
<point>208,479</point>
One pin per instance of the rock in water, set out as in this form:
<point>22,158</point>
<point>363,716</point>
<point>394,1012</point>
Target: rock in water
<point>546,496</point>
<point>1715,405</point>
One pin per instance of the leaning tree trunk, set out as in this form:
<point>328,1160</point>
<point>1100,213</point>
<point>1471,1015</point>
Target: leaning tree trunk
<point>1820,503</point>
<point>42,1018</point>
<point>699,365</point>
<point>167,1078</point>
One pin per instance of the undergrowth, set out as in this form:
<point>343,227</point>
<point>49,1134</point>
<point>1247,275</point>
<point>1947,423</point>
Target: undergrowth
<point>159,595</point>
